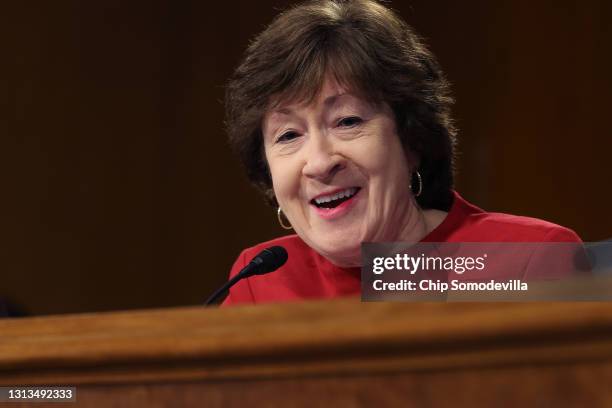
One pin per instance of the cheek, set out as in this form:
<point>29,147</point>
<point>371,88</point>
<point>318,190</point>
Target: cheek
<point>285,179</point>
<point>384,158</point>
<point>381,151</point>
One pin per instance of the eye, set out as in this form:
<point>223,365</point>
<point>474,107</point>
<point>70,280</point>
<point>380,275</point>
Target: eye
<point>287,137</point>
<point>349,121</point>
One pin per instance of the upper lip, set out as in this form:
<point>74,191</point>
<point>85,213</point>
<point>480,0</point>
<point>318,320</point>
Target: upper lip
<point>334,191</point>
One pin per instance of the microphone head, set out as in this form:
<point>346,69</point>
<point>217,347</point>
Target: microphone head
<point>270,259</point>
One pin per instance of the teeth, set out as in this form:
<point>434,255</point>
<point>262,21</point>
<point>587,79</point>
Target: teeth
<point>341,194</point>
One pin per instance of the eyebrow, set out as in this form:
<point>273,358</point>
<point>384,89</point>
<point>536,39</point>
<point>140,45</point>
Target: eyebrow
<point>284,111</point>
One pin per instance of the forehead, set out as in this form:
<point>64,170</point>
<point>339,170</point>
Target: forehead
<point>326,93</point>
<point>331,93</point>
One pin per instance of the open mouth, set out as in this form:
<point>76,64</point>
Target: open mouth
<point>335,199</point>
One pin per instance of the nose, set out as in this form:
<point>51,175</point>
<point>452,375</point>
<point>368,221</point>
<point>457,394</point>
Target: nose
<point>322,160</point>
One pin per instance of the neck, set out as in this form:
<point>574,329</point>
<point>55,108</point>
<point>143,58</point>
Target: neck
<point>415,225</point>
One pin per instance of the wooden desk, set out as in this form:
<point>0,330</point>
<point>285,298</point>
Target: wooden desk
<point>335,353</point>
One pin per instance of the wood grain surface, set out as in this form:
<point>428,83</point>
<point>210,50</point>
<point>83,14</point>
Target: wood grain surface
<point>306,339</point>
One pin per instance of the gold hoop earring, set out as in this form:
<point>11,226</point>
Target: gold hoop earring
<point>279,213</point>
<point>420,179</point>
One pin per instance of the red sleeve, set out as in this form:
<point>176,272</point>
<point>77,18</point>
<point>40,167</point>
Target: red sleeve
<point>241,291</point>
<point>560,255</point>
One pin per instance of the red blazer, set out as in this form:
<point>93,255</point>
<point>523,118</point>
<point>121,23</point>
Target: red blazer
<point>308,275</point>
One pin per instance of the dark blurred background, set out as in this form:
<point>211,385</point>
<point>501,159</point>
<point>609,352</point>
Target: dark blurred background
<point>119,190</point>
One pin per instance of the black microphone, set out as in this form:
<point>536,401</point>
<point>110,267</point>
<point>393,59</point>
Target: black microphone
<point>268,260</point>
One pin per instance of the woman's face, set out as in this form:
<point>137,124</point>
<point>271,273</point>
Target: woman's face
<point>340,173</point>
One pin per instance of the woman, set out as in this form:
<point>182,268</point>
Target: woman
<point>341,117</point>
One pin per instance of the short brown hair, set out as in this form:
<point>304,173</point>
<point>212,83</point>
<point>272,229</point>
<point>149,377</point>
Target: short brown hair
<point>366,47</point>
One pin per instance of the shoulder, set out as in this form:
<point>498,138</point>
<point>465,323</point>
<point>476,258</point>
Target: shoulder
<point>243,291</point>
<point>519,228</point>
<point>305,275</point>
<point>475,224</point>
<point>299,253</point>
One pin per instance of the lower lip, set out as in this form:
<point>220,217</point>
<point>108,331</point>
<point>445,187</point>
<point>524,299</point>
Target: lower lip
<point>339,211</point>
